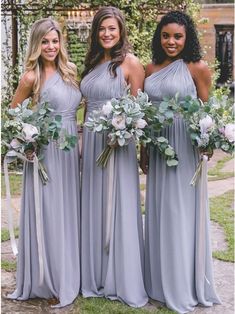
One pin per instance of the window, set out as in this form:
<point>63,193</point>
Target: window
<point>224,52</point>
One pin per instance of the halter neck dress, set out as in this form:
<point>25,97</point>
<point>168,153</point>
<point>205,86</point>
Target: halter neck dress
<point>177,272</point>
<point>60,210</point>
<point>116,274</point>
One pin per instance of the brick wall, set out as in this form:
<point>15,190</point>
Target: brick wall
<point>218,14</point>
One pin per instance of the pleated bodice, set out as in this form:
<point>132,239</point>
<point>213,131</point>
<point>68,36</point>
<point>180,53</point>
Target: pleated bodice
<point>172,79</point>
<point>100,85</point>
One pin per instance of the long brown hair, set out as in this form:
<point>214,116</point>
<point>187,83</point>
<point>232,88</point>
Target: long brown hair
<point>33,62</point>
<point>96,51</point>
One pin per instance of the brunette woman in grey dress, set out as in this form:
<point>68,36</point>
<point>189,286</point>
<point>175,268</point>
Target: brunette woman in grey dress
<point>178,262</point>
<point>53,273</point>
<point>112,239</point>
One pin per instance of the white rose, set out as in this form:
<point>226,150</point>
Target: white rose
<point>205,124</point>
<point>119,122</point>
<point>141,123</point>
<point>15,144</point>
<point>229,132</point>
<point>107,108</point>
<point>29,132</point>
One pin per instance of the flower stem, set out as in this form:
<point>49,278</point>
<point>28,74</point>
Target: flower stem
<point>43,173</point>
<point>196,174</point>
<point>103,158</point>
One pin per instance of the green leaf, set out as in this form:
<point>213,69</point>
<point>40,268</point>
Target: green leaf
<point>169,152</point>
<point>99,128</point>
<point>172,162</point>
<point>42,111</point>
<point>194,107</point>
<point>194,136</point>
<point>162,139</point>
<point>58,118</point>
<point>169,114</point>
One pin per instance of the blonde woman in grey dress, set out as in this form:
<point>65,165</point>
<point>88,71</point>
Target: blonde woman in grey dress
<point>178,261</point>
<point>112,269</point>
<point>50,77</point>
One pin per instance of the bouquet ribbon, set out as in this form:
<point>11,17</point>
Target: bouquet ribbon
<point>201,228</point>
<point>110,198</point>
<point>8,160</point>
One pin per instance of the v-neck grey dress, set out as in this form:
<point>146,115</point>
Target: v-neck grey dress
<point>60,211</point>
<point>116,273</point>
<point>177,272</point>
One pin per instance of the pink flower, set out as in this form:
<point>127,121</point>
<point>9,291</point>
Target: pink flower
<point>229,132</point>
<point>29,132</point>
<point>141,123</point>
<point>205,124</point>
<point>119,122</point>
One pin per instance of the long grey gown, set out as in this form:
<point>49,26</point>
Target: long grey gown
<point>116,273</point>
<point>178,262</point>
<point>60,211</point>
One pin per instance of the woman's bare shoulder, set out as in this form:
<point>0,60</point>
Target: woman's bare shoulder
<point>131,59</point>
<point>28,78</point>
<point>150,69</point>
<point>199,68</point>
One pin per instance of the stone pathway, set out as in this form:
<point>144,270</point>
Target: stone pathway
<point>223,271</point>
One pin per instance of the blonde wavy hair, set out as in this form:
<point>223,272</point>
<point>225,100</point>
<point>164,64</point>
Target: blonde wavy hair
<point>33,61</point>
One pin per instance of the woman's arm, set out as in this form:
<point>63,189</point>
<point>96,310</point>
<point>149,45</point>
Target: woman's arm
<point>24,89</point>
<point>144,157</point>
<point>134,73</point>
<point>202,79</point>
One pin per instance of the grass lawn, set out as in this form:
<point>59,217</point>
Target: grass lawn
<point>15,185</point>
<point>104,306</point>
<point>8,265</point>
<point>222,212</point>
<point>5,236</point>
<point>215,173</point>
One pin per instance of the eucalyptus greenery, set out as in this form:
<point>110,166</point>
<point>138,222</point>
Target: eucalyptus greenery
<point>46,127</point>
<point>25,130</point>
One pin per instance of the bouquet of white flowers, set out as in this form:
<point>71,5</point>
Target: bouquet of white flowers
<point>26,130</point>
<point>32,130</point>
<point>210,125</point>
<point>125,120</point>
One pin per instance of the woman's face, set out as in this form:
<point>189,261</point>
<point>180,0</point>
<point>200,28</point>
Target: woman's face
<point>50,46</point>
<point>109,33</point>
<point>173,37</point>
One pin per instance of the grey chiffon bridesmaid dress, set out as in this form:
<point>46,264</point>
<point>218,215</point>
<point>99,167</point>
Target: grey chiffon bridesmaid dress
<point>117,272</point>
<point>177,272</point>
<point>60,211</point>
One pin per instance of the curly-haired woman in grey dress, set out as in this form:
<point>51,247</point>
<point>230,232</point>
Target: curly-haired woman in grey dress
<point>50,77</point>
<point>112,249</point>
<point>178,262</point>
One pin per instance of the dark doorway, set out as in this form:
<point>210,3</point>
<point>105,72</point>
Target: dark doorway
<point>224,52</point>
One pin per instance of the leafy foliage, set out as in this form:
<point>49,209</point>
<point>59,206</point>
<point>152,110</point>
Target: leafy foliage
<point>141,18</point>
<point>34,129</point>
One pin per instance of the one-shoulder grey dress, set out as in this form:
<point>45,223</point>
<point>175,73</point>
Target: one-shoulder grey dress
<point>116,273</point>
<point>60,211</point>
<point>178,262</point>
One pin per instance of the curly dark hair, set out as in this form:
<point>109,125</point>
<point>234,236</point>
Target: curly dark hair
<point>192,49</point>
<point>96,51</point>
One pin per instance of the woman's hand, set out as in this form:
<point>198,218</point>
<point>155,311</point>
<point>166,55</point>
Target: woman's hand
<point>144,159</point>
<point>29,154</point>
<point>208,153</point>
